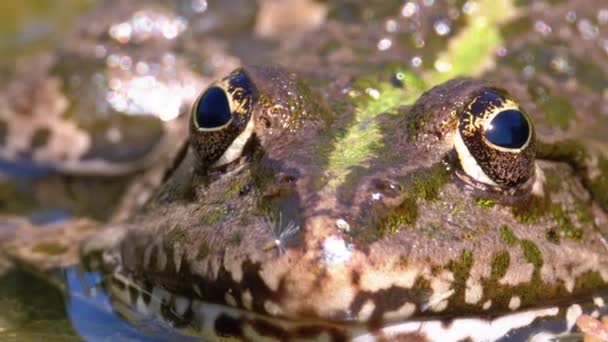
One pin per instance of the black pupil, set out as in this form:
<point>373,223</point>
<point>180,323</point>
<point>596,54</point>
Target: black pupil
<point>508,129</point>
<point>213,109</point>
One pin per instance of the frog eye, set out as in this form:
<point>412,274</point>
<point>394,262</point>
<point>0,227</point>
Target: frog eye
<point>495,140</point>
<point>221,122</point>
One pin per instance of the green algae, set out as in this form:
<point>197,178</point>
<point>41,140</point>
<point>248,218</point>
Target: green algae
<point>471,52</point>
<point>485,203</point>
<point>214,215</point>
<point>507,236</point>
<point>358,142</point>
<point>532,254</point>
<point>599,185</point>
<point>405,214</point>
<point>500,264</point>
<point>50,248</point>
<point>425,185</point>
<point>564,223</point>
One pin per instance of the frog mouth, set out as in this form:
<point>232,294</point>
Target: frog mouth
<point>136,299</point>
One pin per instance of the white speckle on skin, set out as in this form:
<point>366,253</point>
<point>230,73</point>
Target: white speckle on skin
<point>441,285</point>
<point>230,300</point>
<point>336,250</point>
<point>514,303</point>
<point>247,300</point>
<point>366,311</point>
<point>161,257</point>
<point>487,304</point>
<point>406,310</point>
<point>599,302</point>
<point>272,308</point>
<point>572,314</point>
<point>197,290</point>
<point>473,292</point>
<point>342,225</point>
<point>181,304</point>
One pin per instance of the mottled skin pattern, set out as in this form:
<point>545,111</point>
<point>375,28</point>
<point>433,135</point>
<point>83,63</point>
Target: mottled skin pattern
<point>406,234</point>
<point>212,228</point>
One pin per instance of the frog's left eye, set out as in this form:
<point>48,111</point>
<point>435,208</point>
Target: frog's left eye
<point>221,122</point>
<point>495,140</point>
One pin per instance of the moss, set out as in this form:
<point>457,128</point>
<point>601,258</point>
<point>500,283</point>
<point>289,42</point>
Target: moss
<point>469,235</point>
<point>532,253</point>
<point>599,185</point>
<point>428,183</point>
<point>214,215</point>
<point>49,248</point>
<point>500,264</point>
<point>561,218</point>
<point>507,236</point>
<point>485,203</point>
<point>472,49</point>
<point>371,96</point>
<point>461,266</point>
<point>405,214</point>
<point>234,188</point>
<point>558,110</point>
<point>531,210</point>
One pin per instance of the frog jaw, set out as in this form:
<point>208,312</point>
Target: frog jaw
<point>220,321</point>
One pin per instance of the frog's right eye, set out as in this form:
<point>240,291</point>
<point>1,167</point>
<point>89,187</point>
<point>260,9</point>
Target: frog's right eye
<point>495,140</point>
<point>221,122</point>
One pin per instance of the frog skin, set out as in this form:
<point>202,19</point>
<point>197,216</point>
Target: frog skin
<point>415,242</point>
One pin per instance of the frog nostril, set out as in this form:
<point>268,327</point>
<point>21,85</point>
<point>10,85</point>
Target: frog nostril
<point>264,122</point>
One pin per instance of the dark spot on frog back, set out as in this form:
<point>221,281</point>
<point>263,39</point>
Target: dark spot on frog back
<point>3,132</point>
<point>40,138</point>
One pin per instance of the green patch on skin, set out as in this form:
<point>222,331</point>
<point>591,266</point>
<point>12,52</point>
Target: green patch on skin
<point>362,138</point>
<point>234,188</point>
<point>557,109</point>
<point>532,253</point>
<point>214,215</point>
<point>485,203</point>
<point>427,184</point>
<point>49,248</point>
<point>564,224</point>
<point>507,236</point>
<point>40,138</point>
<point>599,185</point>
<point>471,52</point>
<point>405,214</point>
<point>500,264</point>
<point>424,185</point>
<point>531,210</point>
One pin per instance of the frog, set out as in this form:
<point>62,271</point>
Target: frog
<point>475,216</point>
